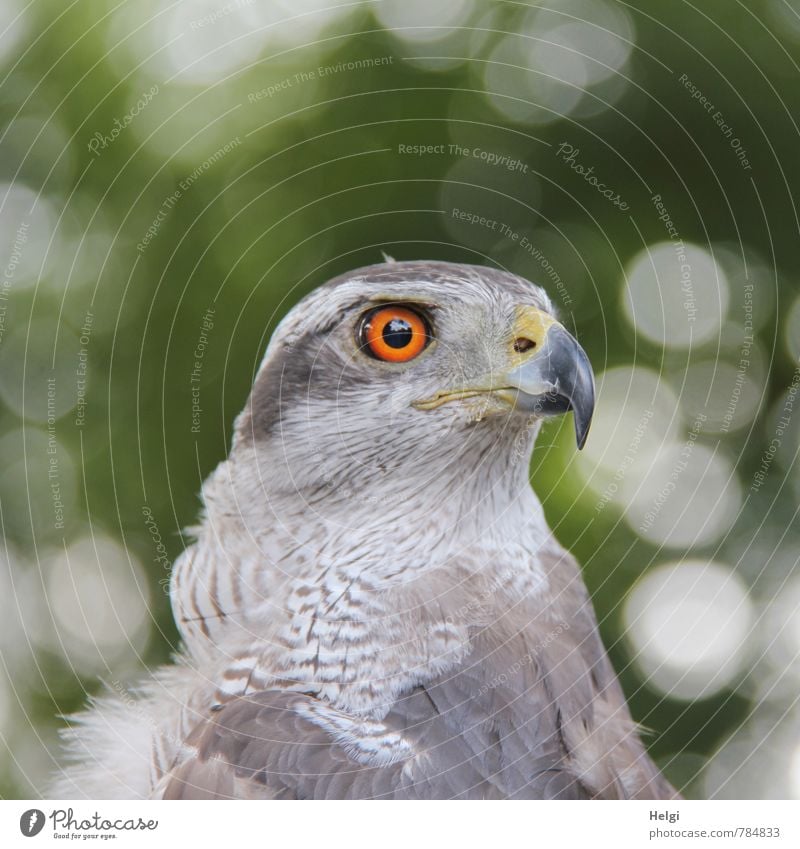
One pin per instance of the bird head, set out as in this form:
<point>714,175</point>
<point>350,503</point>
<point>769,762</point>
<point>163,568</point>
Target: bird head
<point>386,367</point>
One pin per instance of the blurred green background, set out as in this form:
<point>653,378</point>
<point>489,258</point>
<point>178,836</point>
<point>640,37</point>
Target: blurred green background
<point>175,176</point>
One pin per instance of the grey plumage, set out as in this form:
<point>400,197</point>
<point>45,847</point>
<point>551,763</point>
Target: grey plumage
<point>374,606</point>
<point>501,725</point>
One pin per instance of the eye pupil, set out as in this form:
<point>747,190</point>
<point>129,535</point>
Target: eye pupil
<point>395,333</point>
<point>398,333</point>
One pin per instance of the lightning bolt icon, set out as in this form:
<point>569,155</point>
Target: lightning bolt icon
<point>33,820</point>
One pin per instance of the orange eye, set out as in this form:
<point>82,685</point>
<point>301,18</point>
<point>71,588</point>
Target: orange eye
<point>394,334</point>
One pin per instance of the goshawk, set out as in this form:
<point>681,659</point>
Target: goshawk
<point>374,605</point>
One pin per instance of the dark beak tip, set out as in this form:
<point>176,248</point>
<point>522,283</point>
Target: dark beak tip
<point>581,435</point>
<point>583,418</point>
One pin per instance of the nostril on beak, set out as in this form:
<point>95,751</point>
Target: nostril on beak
<point>523,344</point>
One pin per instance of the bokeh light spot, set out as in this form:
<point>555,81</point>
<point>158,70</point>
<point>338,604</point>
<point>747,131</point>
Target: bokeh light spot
<point>421,20</point>
<point>675,295</point>
<point>688,496</point>
<point>688,623</point>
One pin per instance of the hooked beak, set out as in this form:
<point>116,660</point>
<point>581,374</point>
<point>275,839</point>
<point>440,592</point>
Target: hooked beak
<point>549,374</point>
<point>557,378</point>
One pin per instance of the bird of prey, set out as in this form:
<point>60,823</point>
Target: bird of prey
<point>374,605</point>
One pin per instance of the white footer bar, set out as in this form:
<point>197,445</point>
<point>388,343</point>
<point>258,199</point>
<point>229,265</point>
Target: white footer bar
<point>412,825</point>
